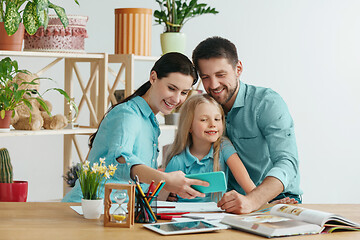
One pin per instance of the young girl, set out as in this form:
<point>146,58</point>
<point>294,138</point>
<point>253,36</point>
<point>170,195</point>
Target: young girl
<point>128,134</point>
<point>200,146</point>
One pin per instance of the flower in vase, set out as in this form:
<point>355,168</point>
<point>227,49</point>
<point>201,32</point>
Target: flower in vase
<point>93,177</point>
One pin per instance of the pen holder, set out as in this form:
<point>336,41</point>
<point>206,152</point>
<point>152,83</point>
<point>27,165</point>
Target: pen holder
<point>119,220</point>
<point>144,214</point>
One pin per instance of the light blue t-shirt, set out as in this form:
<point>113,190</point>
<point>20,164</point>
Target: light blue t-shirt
<point>261,129</point>
<point>129,130</point>
<point>190,164</point>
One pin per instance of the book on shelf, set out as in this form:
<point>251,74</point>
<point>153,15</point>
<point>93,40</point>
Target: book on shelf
<point>288,220</point>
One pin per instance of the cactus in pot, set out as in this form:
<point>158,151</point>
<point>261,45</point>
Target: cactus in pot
<point>6,170</point>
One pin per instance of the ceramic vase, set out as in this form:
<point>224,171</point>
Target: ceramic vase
<point>173,42</point>
<point>172,119</point>
<point>92,209</point>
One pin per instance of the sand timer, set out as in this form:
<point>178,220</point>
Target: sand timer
<point>119,214</point>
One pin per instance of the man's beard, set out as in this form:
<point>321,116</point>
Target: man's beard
<point>231,93</point>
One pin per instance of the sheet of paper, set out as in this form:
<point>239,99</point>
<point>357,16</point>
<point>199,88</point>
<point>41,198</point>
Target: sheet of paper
<point>188,207</point>
<point>78,209</point>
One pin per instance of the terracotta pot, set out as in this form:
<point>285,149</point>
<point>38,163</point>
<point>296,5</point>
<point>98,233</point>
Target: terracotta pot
<point>5,123</point>
<point>13,42</point>
<point>14,192</point>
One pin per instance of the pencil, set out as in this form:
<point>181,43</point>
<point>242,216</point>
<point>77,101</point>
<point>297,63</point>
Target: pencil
<point>149,189</point>
<point>144,198</point>
<point>157,187</point>
<point>157,192</point>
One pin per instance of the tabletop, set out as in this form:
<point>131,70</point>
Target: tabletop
<point>54,220</point>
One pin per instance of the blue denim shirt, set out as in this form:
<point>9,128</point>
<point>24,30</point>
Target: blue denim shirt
<point>129,130</point>
<point>261,129</point>
<point>190,164</point>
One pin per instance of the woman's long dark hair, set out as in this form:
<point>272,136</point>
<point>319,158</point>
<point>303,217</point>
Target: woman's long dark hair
<point>169,63</point>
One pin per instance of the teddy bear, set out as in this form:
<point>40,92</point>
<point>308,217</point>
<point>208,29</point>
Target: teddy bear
<point>39,117</point>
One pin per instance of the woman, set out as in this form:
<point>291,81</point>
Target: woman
<point>128,134</point>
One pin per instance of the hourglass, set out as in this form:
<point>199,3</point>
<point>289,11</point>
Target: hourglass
<point>119,214</point>
<point>119,218</point>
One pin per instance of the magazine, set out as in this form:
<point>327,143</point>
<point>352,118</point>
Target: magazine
<point>288,220</point>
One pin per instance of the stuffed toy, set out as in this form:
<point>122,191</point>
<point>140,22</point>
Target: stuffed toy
<point>39,117</point>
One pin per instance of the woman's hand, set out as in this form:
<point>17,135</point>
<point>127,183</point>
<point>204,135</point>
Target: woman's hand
<point>176,182</point>
<point>172,197</point>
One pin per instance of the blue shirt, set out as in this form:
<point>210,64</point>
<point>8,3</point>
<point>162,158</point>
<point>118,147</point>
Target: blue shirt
<point>261,129</point>
<point>129,130</point>
<point>190,164</point>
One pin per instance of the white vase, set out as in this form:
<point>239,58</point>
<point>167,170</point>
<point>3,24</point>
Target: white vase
<point>173,42</point>
<point>92,209</point>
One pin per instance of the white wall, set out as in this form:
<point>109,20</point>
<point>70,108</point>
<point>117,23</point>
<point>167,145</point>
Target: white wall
<point>307,50</point>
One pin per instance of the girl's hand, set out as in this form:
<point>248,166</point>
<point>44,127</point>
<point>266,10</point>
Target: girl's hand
<point>176,182</point>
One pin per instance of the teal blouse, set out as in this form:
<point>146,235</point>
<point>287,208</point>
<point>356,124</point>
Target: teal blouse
<point>130,130</point>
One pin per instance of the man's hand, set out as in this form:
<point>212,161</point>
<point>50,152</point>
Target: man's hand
<point>286,200</point>
<point>234,202</point>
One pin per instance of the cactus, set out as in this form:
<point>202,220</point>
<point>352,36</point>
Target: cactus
<point>6,170</point>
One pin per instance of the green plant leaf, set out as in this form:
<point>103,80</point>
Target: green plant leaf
<point>61,14</point>
<point>30,17</point>
<point>42,7</point>
<point>2,113</point>
<point>12,18</point>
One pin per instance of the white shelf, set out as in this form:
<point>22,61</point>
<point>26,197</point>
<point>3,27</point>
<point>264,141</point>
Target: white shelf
<point>52,54</point>
<point>78,131</point>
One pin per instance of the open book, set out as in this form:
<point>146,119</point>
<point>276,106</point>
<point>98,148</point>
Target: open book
<point>287,220</point>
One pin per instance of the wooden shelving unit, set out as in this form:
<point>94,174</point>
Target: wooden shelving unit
<point>97,94</point>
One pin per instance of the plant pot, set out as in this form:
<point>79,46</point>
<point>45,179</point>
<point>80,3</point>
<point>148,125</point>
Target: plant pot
<point>173,42</point>
<point>13,42</point>
<point>92,209</point>
<point>14,192</point>
<point>172,119</point>
<point>5,123</point>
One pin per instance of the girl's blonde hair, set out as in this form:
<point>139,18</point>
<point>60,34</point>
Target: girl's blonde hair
<point>183,136</point>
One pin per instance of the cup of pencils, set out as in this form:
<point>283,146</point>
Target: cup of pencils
<point>146,202</point>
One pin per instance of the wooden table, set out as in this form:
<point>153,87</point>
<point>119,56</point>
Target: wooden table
<point>39,220</point>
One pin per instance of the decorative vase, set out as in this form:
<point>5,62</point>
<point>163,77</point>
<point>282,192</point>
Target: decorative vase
<point>14,192</point>
<point>56,38</point>
<point>133,31</point>
<point>5,123</point>
<point>173,42</point>
<point>13,42</point>
<point>172,119</point>
<point>92,209</point>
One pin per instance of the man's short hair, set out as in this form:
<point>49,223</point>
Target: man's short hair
<point>215,47</point>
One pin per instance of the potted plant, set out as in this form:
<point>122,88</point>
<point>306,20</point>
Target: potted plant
<point>12,94</point>
<point>10,191</point>
<point>14,16</point>
<point>91,180</point>
<point>174,14</point>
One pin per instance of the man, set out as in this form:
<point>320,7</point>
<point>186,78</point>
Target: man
<point>258,124</point>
